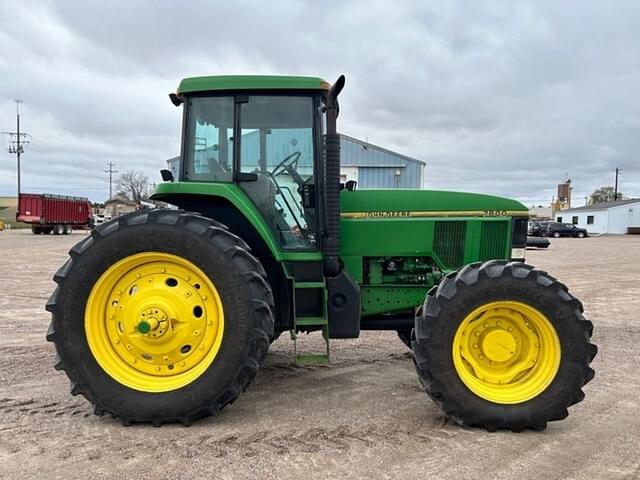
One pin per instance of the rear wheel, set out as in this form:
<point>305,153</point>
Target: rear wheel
<point>36,229</point>
<point>161,317</point>
<point>580,234</point>
<point>503,345</point>
<point>47,230</point>
<point>58,229</point>
<point>556,234</point>
<point>67,229</point>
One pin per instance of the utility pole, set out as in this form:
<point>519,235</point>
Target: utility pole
<point>615,190</point>
<point>17,141</point>
<point>111,171</point>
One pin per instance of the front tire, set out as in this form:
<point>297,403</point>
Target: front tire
<point>556,234</point>
<point>502,345</point>
<point>160,317</point>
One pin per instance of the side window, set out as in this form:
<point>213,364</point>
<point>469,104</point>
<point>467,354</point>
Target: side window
<point>276,144</point>
<point>209,140</point>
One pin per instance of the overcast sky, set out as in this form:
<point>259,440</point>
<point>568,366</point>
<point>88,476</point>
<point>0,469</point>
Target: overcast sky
<point>506,98</point>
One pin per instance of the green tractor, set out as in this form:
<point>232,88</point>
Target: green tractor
<point>166,315</point>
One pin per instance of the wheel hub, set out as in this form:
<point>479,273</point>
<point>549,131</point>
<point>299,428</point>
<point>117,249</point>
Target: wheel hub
<point>154,322</point>
<point>499,345</point>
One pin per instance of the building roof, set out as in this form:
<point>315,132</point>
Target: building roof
<point>251,82</point>
<point>381,149</point>
<point>121,200</point>
<point>601,206</point>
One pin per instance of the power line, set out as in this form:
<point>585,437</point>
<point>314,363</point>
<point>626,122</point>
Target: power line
<point>111,171</point>
<point>17,140</point>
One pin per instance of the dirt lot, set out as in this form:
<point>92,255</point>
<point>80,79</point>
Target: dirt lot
<point>363,416</point>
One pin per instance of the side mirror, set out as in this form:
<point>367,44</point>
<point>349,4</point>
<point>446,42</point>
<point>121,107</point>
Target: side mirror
<point>166,175</point>
<point>175,99</point>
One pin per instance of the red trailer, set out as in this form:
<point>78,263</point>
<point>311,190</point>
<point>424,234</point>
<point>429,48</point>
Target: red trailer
<point>53,213</point>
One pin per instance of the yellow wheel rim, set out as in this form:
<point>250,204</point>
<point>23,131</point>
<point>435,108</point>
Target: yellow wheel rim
<point>506,352</point>
<point>154,322</point>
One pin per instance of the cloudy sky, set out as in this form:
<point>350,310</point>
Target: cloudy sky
<point>506,98</point>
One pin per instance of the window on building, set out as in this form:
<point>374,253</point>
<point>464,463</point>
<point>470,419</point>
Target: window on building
<point>589,219</point>
<point>559,219</point>
<point>574,220</point>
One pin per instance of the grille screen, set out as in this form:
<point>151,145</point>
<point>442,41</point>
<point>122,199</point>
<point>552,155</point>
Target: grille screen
<point>493,240</point>
<point>448,243</point>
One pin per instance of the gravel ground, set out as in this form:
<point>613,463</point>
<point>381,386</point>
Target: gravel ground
<point>365,415</point>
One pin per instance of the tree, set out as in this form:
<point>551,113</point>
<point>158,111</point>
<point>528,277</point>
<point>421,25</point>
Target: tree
<point>603,194</point>
<point>133,185</point>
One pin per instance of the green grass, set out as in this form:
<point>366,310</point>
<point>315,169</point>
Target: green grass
<point>8,216</point>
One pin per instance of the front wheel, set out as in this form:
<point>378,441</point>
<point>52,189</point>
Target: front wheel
<point>556,234</point>
<point>161,316</point>
<point>503,345</point>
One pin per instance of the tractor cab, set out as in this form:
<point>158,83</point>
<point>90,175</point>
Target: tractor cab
<point>267,141</point>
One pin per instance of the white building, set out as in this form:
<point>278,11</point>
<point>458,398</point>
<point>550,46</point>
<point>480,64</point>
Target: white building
<point>606,217</point>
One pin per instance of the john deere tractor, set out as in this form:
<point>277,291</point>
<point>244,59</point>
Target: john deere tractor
<point>166,315</point>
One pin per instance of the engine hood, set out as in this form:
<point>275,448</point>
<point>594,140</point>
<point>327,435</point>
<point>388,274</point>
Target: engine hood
<point>426,203</point>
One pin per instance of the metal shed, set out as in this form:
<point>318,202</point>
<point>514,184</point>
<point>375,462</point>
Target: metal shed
<point>376,167</point>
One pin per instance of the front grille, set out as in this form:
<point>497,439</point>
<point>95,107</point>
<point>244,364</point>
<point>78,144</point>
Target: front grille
<point>448,242</point>
<point>493,240</point>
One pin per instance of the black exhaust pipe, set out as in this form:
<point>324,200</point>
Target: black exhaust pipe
<point>331,244</point>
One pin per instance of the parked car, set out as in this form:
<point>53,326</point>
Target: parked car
<point>536,228</point>
<point>100,218</point>
<point>556,229</point>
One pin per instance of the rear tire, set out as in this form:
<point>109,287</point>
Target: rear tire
<point>449,382</point>
<point>239,283</point>
<point>58,229</point>
<point>36,229</point>
<point>68,229</point>
<point>556,234</point>
<point>580,235</point>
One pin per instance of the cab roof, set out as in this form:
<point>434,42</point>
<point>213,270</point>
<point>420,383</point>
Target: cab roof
<point>250,82</point>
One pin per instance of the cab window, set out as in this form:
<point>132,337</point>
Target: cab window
<point>208,150</point>
<point>276,145</point>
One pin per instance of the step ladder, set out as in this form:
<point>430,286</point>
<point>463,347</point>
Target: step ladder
<point>303,359</point>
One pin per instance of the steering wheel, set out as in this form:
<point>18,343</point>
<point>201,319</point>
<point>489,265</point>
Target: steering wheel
<point>289,164</point>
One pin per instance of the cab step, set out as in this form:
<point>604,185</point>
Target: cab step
<point>308,322</point>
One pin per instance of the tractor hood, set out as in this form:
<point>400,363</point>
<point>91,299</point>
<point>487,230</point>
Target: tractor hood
<point>426,203</point>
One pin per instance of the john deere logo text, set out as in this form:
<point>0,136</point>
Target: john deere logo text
<point>386,214</point>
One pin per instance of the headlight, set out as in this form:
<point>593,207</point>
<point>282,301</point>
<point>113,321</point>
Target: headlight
<point>518,253</point>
